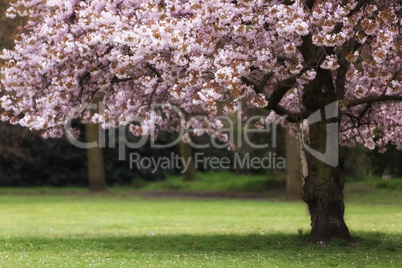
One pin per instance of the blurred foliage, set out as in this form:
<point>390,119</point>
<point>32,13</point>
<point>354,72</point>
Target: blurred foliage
<point>28,159</point>
<point>388,163</point>
<point>357,164</point>
<point>222,181</point>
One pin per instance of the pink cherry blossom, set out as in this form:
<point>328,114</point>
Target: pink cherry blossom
<point>205,57</point>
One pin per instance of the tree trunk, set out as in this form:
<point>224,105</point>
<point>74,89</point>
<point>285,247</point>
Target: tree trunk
<point>96,170</point>
<point>190,173</point>
<point>293,191</point>
<point>323,192</point>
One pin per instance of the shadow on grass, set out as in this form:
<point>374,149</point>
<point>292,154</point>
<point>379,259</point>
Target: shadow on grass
<point>249,250</point>
<point>369,242</point>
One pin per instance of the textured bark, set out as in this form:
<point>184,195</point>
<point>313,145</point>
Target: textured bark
<point>293,191</point>
<point>324,184</point>
<point>96,170</point>
<point>323,193</point>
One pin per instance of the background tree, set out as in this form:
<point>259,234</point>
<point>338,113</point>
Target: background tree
<point>186,152</point>
<point>95,162</point>
<point>338,61</point>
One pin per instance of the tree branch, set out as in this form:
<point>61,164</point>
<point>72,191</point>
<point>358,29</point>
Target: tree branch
<point>363,112</point>
<point>258,87</point>
<point>115,79</point>
<point>274,99</point>
<point>308,3</point>
<point>290,116</point>
<point>280,90</point>
<point>373,99</point>
<point>252,83</point>
<point>153,70</point>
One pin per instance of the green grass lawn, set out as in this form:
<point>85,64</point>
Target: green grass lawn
<point>44,227</point>
<point>217,181</point>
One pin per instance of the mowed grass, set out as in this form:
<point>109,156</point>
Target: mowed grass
<point>47,227</point>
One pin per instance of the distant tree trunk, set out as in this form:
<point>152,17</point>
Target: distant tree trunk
<point>96,170</point>
<point>293,165</point>
<point>323,192</point>
<point>190,173</point>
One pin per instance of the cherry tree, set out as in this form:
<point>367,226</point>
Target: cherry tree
<point>328,69</point>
